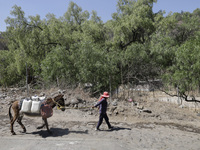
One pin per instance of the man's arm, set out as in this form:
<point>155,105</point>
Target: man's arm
<point>99,102</point>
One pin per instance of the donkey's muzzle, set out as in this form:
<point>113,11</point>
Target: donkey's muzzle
<point>63,109</point>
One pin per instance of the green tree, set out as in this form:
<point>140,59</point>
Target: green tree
<point>174,49</point>
<point>136,44</point>
<point>129,35</point>
<point>8,74</point>
<point>184,74</point>
<point>23,41</point>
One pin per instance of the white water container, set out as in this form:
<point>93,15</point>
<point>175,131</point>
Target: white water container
<point>26,106</point>
<point>35,98</point>
<point>42,98</point>
<point>35,108</point>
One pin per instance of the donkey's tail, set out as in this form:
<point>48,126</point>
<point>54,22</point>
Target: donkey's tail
<point>10,114</point>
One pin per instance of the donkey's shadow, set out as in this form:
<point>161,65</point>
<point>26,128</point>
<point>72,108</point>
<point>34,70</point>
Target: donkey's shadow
<point>57,132</point>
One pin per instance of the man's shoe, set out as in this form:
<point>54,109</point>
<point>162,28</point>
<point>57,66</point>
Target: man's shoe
<point>111,127</point>
<point>97,129</point>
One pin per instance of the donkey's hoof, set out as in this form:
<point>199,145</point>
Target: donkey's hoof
<point>40,127</point>
<point>13,133</point>
<point>24,131</point>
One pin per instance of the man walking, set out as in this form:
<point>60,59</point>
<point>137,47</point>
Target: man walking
<point>102,103</point>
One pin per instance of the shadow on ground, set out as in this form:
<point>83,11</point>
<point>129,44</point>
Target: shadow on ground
<point>115,129</point>
<point>120,128</point>
<point>57,132</point>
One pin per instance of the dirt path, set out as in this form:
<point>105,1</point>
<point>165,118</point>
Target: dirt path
<point>74,129</point>
<point>165,127</point>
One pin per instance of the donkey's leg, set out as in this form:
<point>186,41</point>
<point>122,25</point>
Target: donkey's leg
<point>47,126</point>
<point>12,123</point>
<point>19,120</point>
<point>42,126</point>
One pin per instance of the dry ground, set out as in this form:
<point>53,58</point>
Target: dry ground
<point>163,127</point>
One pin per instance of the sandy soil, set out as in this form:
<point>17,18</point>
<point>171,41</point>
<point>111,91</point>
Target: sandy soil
<point>163,127</point>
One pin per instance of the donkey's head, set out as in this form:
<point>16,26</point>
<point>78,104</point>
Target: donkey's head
<point>60,102</point>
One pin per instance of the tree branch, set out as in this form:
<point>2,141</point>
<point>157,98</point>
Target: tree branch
<point>181,95</point>
<point>33,26</point>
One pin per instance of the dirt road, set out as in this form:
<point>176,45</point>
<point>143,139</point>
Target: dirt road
<point>165,127</point>
<point>75,130</point>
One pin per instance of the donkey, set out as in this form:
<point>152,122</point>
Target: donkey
<point>52,102</point>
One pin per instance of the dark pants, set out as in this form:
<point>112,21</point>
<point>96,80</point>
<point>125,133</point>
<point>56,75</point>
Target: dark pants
<point>101,116</point>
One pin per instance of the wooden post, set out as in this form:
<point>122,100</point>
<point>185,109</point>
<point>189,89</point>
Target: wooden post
<point>110,88</point>
<point>58,82</point>
<point>27,81</point>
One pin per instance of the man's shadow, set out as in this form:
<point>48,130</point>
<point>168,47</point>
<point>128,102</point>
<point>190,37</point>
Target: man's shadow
<point>56,132</point>
<point>119,128</point>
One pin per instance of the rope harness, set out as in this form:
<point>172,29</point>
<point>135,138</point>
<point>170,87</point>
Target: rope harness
<point>58,104</point>
<point>60,107</point>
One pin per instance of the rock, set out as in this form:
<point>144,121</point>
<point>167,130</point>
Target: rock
<point>114,103</point>
<point>3,102</point>
<point>64,91</point>
<point>122,110</point>
<point>1,96</point>
<point>80,105</point>
<point>41,94</point>
<point>116,112</point>
<point>112,109</point>
<point>67,103</point>
<point>90,113</point>
<point>61,91</point>
<point>139,106</point>
<point>134,103</point>
<point>74,101</point>
<point>76,106</point>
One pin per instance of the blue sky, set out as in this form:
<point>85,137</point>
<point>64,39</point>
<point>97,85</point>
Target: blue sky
<point>104,8</point>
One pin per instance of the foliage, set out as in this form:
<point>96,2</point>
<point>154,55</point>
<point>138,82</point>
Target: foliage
<point>135,45</point>
<point>185,73</point>
<point>8,75</point>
